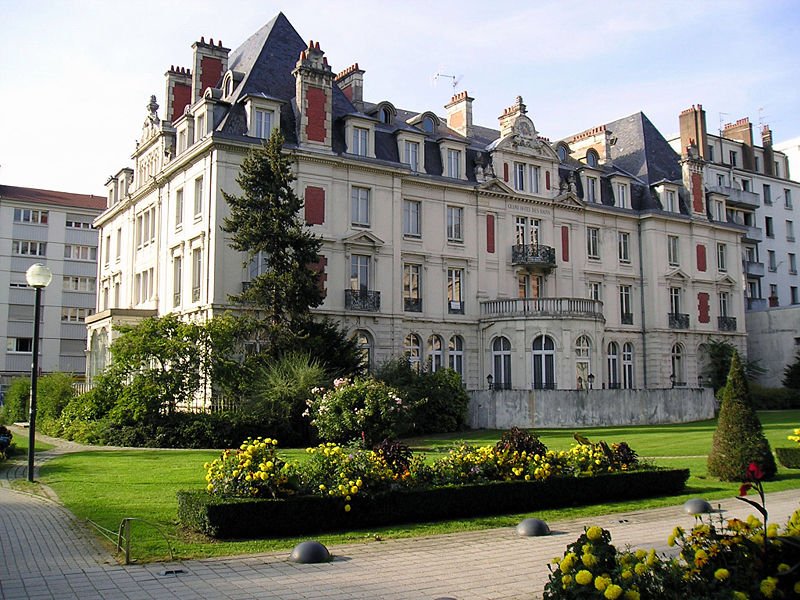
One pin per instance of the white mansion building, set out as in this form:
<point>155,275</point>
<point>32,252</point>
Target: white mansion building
<point>596,260</point>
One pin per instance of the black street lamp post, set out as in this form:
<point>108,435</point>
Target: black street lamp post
<point>38,277</point>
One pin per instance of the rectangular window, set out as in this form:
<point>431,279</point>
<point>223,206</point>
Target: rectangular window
<point>118,253</point>
<point>757,163</point>
<point>675,300</point>
<point>74,315</point>
<point>710,153</point>
<point>622,195</point>
<point>263,123</point>
<point>792,263</point>
<point>360,206</point>
<point>455,224</point>
<point>359,272</point>
<point>455,301</point>
<point>624,247</point>
<point>767,193</point>
<point>71,224</point>
<point>80,284</point>
<point>772,264</point>
<point>28,248</point>
<point>672,205</point>
<point>672,251</point>
<point>519,177</point>
<point>526,231</point>
<point>75,252</point>
<point>412,155</point>
<point>536,176</point>
<point>746,185</point>
<point>719,211</point>
<point>732,155</point>
<point>412,298</point>
<point>768,229</point>
<point>412,221</point>
<point>593,242</point>
<point>794,295</point>
<point>360,136</point>
<point>177,280</point>
<point>722,257</point>
<point>199,127</point>
<point>197,273</point>
<point>179,208</point>
<point>28,215</point>
<point>724,304</point>
<point>106,250</point>
<point>454,164</point>
<point>625,310</point>
<point>591,189</point>
<point>787,198</point>
<point>721,180</point>
<point>198,197</point>
<point>19,345</point>
<point>594,290</point>
<point>789,231</point>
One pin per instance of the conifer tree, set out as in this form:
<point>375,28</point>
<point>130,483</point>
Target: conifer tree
<point>265,219</point>
<point>739,439</point>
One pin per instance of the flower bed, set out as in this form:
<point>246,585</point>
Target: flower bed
<point>223,517</point>
<point>251,492</point>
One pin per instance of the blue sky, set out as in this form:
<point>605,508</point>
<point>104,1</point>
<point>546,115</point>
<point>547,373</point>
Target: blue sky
<point>76,76</point>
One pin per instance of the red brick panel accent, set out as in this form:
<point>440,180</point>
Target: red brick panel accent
<point>505,172</point>
<point>348,92</point>
<point>702,308</point>
<point>701,257</point>
<point>211,72</point>
<point>565,243</point>
<point>547,180</point>
<point>315,112</point>
<point>490,234</point>
<point>319,268</point>
<point>315,205</point>
<point>697,193</point>
<point>181,96</point>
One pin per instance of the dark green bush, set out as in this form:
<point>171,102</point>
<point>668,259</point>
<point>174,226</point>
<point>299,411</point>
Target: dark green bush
<point>397,454</point>
<point>15,403</point>
<point>53,393</point>
<point>789,457</point>
<point>245,518</point>
<point>764,398</point>
<point>739,438</point>
<point>791,375</point>
<point>520,440</point>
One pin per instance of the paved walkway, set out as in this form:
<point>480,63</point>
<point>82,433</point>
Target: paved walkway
<point>46,553</point>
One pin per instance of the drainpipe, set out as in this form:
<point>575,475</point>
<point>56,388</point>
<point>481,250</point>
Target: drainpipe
<point>641,294</point>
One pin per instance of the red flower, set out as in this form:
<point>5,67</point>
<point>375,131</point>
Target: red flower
<point>743,488</point>
<point>754,472</point>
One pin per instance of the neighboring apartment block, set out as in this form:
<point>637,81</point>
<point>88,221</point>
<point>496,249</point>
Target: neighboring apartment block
<point>590,262</point>
<point>54,228</point>
<point>750,185</point>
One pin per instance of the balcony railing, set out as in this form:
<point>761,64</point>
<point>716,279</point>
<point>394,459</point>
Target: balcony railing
<point>753,269</point>
<point>626,318</point>
<point>366,300</point>
<point>543,307</point>
<point>412,304</point>
<point>753,234</point>
<point>678,320</point>
<point>544,385</point>
<point>737,196</point>
<point>533,255</point>
<point>726,323</point>
<point>455,307</point>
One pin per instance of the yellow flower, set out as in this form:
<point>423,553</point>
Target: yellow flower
<point>210,487</point>
<point>583,577</point>
<point>354,489</point>
<point>768,586</point>
<point>640,568</point>
<point>589,560</point>
<point>566,580</point>
<point>700,558</point>
<point>740,596</point>
<point>797,588</point>
<point>594,533</point>
<point>783,567</point>
<point>321,487</point>
<point>346,508</point>
<point>613,592</point>
<point>601,583</point>
<point>568,563</point>
<point>671,541</point>
<point>626,574</point>
<point>631,595</point>
<point>721,574</point>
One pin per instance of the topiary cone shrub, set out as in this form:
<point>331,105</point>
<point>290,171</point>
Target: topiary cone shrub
<point>739,439</point>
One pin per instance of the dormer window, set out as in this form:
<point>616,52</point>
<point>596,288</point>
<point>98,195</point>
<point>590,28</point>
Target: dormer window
<point>592,158</point>
<point>411,155</point>
<point>428,125</point>
<point>561,150</point>
<point>385,115</point>
<point>263,122</point>
<point>454,163</point>
<point>263,117</point>
<point>622,196</point>
<point>200,126</point>
<point>360,144</point>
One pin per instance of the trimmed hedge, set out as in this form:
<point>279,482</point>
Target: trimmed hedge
<point>764,398</point>
<point>259,518</point>
<point>789,457</point>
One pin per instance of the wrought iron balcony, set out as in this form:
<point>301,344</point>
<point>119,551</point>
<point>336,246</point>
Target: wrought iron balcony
<point>366,300</point>
<point>455,307</point>
<point>412,304</point>
<point>678,320</point>
<point>553,308</point>
<point>533,255</point>
<point>626,318</point>
<point>726,323</point>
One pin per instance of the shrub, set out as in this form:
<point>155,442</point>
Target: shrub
<point>739,438</point>
<point>791,375</point>
<point>764,398</point>
<point>53,394</point>
<point>520,440</point>
<point>15,403</point>
<point>790,457</point>
<point>252,471</point>
<point>396,454</point>
<point>364,409</point>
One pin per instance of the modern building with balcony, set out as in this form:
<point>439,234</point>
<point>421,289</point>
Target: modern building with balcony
<point>53,228</point>
<point>489,250</point>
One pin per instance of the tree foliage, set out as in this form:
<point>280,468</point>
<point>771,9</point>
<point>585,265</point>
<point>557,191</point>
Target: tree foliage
<point>265,221</point>
<point>718,363</point>
<point>739,439</point>
<point>791,374</point>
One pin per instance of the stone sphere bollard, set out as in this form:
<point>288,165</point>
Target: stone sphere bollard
<point>697,506</point>
<point>310,552</point>
<point>532,527</point>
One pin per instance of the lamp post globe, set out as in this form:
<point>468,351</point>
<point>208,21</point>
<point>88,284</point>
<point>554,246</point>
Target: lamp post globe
<point>38,277</point>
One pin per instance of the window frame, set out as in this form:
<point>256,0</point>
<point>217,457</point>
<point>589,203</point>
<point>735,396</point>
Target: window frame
<point>360,203</point>
<point>412,218</point>
<point>455,223</point>
<point>593,243</point>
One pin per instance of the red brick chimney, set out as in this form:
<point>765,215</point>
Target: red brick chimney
<point>769,154</point>
<point>178,94</point>
<point>693,131</point>
<point>210,63</point>
<point>314,97</point>
<point>742,131</point>
<point>459,113</point>
<point>351,82</point>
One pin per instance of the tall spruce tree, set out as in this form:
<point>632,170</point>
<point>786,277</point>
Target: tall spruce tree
<point>266,219</point>
<point>739,439</point>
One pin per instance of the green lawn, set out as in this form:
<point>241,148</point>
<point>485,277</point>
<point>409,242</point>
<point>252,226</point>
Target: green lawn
<point>106,486</point>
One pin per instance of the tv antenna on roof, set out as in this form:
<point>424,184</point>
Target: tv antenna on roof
<point>455,79</point>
